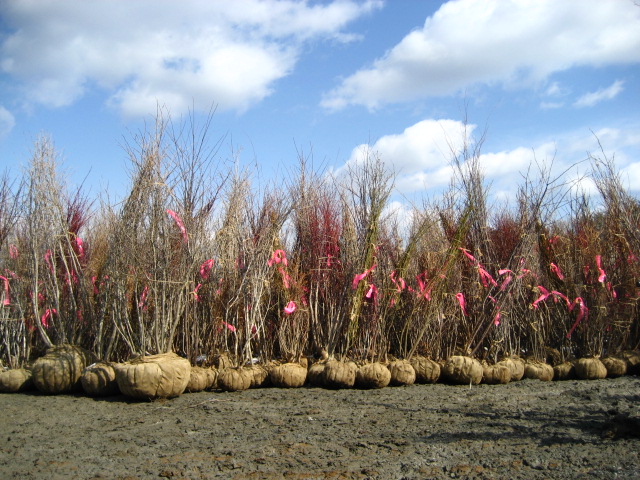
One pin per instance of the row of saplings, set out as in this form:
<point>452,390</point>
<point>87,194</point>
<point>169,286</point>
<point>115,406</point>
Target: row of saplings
<point>69,368</point>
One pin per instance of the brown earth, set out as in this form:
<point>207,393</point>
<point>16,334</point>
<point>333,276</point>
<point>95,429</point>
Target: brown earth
<point>528,430</point>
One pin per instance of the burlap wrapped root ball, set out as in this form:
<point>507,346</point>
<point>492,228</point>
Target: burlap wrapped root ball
<point>234,379</point>
<point>402,373</point>
<point>336,375</point>
<point>462,370</point>
<point>564,371</point>
<point>427,371</point>
<point>60,369</point>
<point>590,369</point>
<point>538,371</point>
<point>201,378</point>
<point>616,367</point>
<point>315,374</point>
<point>16,380</point>
<point>165,375</point>
<point>632,357</point>
<point>373,375</point>
<point>99,380</point>
<point>516,365</point>
<point>288,375</point>
<point>259,375</point>
<point>497,374</point>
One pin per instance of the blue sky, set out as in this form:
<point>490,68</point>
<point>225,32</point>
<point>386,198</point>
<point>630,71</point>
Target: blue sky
<point>540,76</point>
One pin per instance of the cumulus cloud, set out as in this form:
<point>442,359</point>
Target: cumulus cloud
<point>506,42</point>
<point>7,121</point>
<point>592,98</point>
<point>419,155</point>
<point>177,53</point>
<point>630,177</point>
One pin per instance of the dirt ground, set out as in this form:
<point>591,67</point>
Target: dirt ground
<point>528,430</point>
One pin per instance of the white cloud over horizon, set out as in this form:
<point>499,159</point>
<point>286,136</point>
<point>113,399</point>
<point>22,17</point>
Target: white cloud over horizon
<point>425,146</point>
<point>514,42</point>
<point>592,98</point>
<point>420,157</point>
<point>176,53</point>
<point>7,121</point>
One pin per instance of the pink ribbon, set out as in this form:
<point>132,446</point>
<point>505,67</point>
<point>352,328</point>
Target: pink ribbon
<point>143,297</point>
<point>7,300</point>
<point>507,279</point>
<point>47,259</point>
<point>278,256</point>
<point>205,268</point>
<point>79,247</point>
<point>544,294</point>
<point>399,283</point>
<point>195,292</point>
<point>180,225</point>
<point>359,277</point>
<point>554,268</point>
<point>48,314</point>
<point>582,315</point>
<point>290,308</point>
<point>557,295</point>
<point>486,278</point>
<point>285,277</point>
<point>422,285</point>
<point>13,251</point>
<point>602,275</point>
<point>460,298</point>
<point>229,326</point>
<point>469,256</point>
<point>373,292</point>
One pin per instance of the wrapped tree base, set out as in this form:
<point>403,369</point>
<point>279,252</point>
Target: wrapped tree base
<point>373,375</point>
<point>155,376</point>
<point>99,380</point>
<point>14,381</point>
<point>616,367</point>
<point>427,371</point>
<point>564,371</point>
<point>516,365</point>
<point>234,379</point>
<point>315,374</point>
<point>288,375</point>
<point>201,379</point>
<point>538,371</point>
<point>59,371</point>
<point>338,375</point>
<point>590,369</point>
<point>462,370</point>
<point>496,374</point>
<point>402,373</point>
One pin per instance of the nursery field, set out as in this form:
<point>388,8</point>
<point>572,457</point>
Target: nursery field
<point>528,429</point>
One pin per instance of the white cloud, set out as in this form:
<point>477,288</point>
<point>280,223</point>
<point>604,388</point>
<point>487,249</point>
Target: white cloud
<point>510,42</point>
<point>420,157</point>
<point>630,177</point>
<point>426,146</point>
<point>7,121</point>
<point>551,105</point>
<point>175,53</point>
<point>555,90</point>
<point>592,98</point>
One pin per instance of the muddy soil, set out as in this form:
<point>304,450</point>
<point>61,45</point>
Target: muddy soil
<point>528,430</point>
